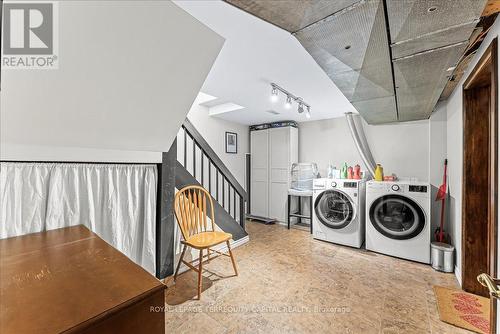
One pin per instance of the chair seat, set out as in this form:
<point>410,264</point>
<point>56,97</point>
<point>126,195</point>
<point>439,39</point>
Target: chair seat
<point>207,239</point>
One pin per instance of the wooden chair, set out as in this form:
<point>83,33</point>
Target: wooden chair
<point>191,212</point>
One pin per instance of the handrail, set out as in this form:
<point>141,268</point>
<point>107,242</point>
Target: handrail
<point>214,158</point>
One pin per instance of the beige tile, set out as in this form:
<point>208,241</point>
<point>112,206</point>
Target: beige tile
<point>291,283</point>
<point>201,323</point>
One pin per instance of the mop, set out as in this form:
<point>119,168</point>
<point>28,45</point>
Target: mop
<point>441,196</point>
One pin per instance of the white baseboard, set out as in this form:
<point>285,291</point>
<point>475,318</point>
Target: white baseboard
<point>458,276</point>
<point>221,248</point>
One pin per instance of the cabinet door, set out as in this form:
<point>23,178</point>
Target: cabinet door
<point>259,142</point>
<point>279,158</point>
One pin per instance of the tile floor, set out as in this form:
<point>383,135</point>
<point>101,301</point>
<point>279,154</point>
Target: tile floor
<point>291,283</point>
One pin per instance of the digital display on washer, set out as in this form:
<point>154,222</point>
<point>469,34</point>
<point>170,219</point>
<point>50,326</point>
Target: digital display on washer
<point>350,185</point>
<point>417,189</point>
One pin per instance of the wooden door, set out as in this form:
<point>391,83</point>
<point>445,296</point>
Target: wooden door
<point>480,175</point>
<point>475,189</point>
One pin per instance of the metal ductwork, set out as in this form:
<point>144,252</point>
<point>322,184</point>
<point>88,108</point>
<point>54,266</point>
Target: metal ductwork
<point>390,58</point>
<point>361,143</point>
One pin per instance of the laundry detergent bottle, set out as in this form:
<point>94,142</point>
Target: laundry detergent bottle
<point>357,172</point>
<point>343,171</point>
<point>350,173</point>
<point>379,173</point>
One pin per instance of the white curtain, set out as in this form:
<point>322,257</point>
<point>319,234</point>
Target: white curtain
<point>117,202</point>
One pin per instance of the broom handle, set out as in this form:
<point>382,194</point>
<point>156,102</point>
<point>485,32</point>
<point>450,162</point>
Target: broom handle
<point>441,234</point>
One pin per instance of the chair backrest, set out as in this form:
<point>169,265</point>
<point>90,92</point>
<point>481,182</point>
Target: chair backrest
<point>191,210</point>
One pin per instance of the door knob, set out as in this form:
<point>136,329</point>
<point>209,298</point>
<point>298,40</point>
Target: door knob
<point>490,283</point>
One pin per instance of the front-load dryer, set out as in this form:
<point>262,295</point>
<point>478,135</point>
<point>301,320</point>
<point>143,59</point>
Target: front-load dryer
<point>338,211</point>
<point>398,219</point>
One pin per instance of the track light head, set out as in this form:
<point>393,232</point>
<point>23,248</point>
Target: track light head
<point>308,112</point>
<point>274,94</point>
<point>288,103</point>
<point>300,109</point>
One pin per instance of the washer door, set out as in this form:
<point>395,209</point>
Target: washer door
<point>397,217</point>
<point>334,209</point>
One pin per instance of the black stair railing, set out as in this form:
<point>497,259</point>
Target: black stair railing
<point>201,161</point>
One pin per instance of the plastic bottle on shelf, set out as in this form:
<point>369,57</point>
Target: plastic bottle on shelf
<point>357,172</point>
<point>336,173</point>
<point>350,173</point>
<point>343,171</point>
<point>379,173</point>
<point>330,171</point>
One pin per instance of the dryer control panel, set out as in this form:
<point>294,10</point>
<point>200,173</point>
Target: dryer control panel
<point>417,189</point>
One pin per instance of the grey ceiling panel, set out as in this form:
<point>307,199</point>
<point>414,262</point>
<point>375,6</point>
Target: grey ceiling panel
<point>292,15</point>
<point>357,60</point>
<point>349,39</point>
<point>346,82</point>
<point>409,19</point>
<point>420,79</point>
<point>347,48</point>
<point>377,111</point>
<point>433,41</point>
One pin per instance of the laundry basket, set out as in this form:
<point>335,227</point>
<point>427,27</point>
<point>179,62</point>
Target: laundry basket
<point>303,174</point>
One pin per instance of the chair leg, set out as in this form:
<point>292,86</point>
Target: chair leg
<point>208,255</point>
<point>232,258</point>
<point>180,261</point>
<point>199,274</point>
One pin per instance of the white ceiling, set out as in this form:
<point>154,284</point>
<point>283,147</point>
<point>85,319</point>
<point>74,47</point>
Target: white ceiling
<point>255,54</point>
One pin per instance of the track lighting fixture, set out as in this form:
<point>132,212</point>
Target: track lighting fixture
<point>289,98</point>
<point>274,94</point>
<point>300,109</point>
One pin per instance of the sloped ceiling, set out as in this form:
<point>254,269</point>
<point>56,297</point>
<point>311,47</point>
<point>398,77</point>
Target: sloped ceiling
<point>390,58</point>
<point>125,82</point>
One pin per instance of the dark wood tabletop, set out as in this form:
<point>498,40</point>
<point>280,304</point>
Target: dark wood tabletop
<point>69,279</point>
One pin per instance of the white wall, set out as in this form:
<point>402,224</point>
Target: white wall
<point>437,154</point>
<point>401,148</point>
<point>454,149</point>
<point>128,74</point>
<point>214,129</point>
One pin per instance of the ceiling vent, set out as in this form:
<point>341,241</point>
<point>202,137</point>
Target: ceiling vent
<point>273,112</point>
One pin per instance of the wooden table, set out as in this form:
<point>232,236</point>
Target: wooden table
<point>70,280</point>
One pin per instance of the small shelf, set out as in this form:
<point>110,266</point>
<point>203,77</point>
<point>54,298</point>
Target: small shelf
<point>296,214</point>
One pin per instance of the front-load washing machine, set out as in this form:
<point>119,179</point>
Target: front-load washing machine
<point>398,219</point>
<point>338,212</point>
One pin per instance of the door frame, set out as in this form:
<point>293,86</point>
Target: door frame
<point>489,59</point>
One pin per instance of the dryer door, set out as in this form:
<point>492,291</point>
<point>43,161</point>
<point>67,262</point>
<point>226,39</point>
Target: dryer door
<point>397,217</point>
<point>334,209</point>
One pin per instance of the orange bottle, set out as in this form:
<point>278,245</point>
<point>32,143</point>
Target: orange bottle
<point>357,172</point>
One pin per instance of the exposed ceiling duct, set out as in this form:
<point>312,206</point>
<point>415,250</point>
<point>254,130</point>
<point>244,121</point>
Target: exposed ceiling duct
<point>390,58</point>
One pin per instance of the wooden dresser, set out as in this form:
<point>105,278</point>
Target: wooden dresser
<point>69,280</point>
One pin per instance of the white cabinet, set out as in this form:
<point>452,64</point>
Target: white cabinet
<point>259,157</point>
<point>273,151</point>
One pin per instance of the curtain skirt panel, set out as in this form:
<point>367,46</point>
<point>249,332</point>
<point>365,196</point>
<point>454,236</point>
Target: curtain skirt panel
<point>116,201</point>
